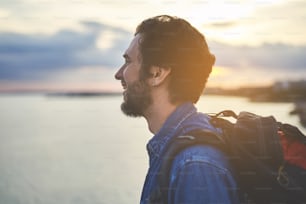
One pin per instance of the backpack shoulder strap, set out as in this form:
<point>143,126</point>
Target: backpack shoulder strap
<point>177,145</point>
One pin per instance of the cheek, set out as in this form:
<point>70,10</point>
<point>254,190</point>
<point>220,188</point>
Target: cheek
<point>126,74</point>
<point>130,74</point>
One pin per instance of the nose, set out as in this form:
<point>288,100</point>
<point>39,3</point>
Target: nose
<point>119,74</point>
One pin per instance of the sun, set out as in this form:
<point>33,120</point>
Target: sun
<point>219,71</point>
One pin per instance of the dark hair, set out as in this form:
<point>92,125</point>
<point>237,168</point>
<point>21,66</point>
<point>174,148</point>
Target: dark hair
<point>171,42</point>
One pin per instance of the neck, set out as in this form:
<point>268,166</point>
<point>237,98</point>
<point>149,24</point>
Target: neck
<point>158,112</point>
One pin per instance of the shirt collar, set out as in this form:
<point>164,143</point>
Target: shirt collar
<point>169,129</point>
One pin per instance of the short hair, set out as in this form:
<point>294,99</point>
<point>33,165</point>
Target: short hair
<point>172,42</point>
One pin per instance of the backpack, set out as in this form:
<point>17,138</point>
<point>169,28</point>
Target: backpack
<point>267,156</point>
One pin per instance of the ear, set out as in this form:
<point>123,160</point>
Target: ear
<point>158,75</point>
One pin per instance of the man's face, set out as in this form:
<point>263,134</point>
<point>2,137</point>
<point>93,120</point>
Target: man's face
<point>136,92</point>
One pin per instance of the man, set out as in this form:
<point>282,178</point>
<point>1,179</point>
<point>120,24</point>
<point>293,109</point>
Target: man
<point>166,67</point>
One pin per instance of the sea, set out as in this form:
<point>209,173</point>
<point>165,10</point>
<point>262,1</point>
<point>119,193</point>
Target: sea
<point>83,150</point>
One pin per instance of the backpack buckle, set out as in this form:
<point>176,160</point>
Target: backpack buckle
<point>282,177</point>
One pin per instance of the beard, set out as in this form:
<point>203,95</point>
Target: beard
<point>137,98</point>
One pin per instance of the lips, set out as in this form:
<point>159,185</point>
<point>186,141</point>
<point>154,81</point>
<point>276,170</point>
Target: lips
<point>124,85</point>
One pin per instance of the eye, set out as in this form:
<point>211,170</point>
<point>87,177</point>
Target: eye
<point>127,59</point>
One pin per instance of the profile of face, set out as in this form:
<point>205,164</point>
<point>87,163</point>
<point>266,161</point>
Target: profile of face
<point>136,94</point>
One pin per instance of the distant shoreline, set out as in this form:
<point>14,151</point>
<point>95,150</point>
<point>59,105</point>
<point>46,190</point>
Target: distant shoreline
<point>300,111</point>
<point>256,95</point>
<point>83,94</point>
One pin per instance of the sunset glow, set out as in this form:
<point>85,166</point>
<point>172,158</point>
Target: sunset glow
<point>219,71</point>
<point>45,47</point>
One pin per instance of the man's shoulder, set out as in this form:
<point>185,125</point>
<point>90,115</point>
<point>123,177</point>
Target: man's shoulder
<point>196,121</point>
<point>201,155</point>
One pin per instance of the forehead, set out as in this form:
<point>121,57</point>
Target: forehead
<point>133,49</point>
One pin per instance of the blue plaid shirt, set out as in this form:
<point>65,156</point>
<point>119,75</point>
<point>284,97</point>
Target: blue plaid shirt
<point>199,174</point>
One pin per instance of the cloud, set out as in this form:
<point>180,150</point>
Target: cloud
<point>221,24</point>
<point>268,56</point>
<point>37,56</point>
<point>34,56</point>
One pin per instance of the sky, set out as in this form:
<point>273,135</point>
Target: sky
<point>77,45</point>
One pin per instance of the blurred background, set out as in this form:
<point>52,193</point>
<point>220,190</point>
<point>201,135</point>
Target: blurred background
<point>63,138</point>
<point>77,45</point>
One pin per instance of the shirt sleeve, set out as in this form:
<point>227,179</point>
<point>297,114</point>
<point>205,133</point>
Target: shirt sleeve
<point>201,175</point>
